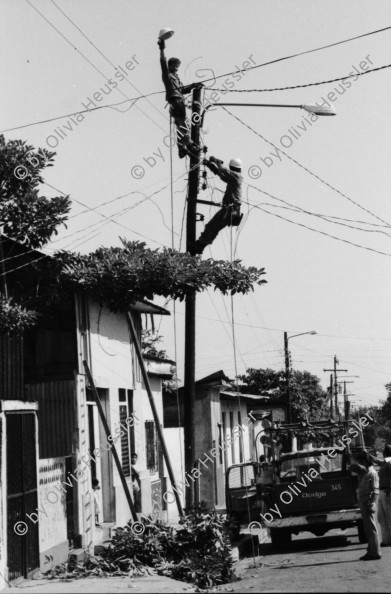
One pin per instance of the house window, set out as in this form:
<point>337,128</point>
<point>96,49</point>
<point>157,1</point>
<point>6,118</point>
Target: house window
<point>125,454</point>
<point>125,398</point>
<point>151,446</point>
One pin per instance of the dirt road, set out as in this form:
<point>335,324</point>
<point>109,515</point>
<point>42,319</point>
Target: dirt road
<point>315,564</point>
<point>324,564</point>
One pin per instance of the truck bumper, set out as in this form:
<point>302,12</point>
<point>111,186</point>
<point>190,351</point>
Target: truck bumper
<point>342,516</point>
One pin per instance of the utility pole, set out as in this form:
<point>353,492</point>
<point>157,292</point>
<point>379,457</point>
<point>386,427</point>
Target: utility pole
<point>346,399</point>
<point>190,311</point>
<point>287,378</point>
<point>331,396</point>
<point>336,371</point>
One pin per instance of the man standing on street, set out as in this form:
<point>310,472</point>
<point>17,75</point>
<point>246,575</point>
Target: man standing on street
<point>367,494</point>
<point>384,507</point>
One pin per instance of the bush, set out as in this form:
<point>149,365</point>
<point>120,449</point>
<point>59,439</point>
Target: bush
<point>203,545</point>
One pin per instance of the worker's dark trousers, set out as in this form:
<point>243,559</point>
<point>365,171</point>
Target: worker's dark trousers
<point>370,529</point>
<point>224,217</point>
<point>384,516</point>
<point>178,112</point>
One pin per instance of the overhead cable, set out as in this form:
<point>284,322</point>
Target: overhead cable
<point>105,57</point>
<point>85,57</point>
<point>134,99</point>
<point>321,232</point>
<point>323,82</point>
<point>305,168</point>
<point>317,49</point>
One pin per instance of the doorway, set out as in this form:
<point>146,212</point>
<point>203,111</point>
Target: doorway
<point>22,496</point>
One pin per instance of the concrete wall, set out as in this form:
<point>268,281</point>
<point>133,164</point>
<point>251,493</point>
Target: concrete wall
<point>174,438</point>
<point>52,511</point>
<point>210,407</point>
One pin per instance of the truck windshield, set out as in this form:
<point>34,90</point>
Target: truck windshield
<point>295,467</point>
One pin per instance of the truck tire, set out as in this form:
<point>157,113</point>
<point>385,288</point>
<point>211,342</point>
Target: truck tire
<point>281,538</point>
<point>362,537</point>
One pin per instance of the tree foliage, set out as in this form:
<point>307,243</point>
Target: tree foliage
<point>308,398</point>
<point>25,216</point>
<point>149,342</point>
<point>379,433</point>
<point>14,318</point>
<point>119,276</point>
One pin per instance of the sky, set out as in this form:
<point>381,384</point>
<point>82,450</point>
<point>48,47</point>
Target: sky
<point>317,217</point>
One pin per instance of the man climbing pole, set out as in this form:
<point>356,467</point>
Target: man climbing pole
<point>229,214</point>
<point>174,96</point>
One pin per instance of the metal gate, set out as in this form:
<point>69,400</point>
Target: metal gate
<point>22,532</point>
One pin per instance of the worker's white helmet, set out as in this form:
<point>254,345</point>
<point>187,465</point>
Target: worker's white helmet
<point>166,33</point>
<point>236,164</point>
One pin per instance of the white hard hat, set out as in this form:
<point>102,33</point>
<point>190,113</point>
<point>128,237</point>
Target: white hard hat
<point>236,164</point>
<point>166,33</point>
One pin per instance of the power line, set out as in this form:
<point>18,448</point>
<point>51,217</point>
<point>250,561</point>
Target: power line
<point>103,55</point>
<point>300,54</point>
<point>323,232</point>
<point>298,209</point>
<point>85,57</point>
<point>305,168</point>
<point>78,112</point>
<point>323,82</point>
<point>146,96</point>
<point>104,216</point>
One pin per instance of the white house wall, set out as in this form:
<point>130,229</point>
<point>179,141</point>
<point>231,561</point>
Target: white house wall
<point>111,359</point>
<point>236,406</point>
<point>143,411</point>
<point>53,538</point>
<point>113,367</point>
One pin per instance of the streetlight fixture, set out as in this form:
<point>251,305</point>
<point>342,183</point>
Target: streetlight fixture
<point>287,370</point>
<point>166,33</point>
<point>320,110</point>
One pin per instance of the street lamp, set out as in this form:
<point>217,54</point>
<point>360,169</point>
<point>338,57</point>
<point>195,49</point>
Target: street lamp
<point>287,371</point>
<point>320,110</point>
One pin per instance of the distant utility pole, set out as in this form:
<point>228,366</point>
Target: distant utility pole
<point>190,312</point>
<point>345,397</point>
<point>331,396</point>
<point>346,400</point>
<point>336,371</point>
<point>287,378</point>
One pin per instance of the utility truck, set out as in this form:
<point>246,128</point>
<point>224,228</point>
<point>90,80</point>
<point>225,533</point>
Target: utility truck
<point>301,482</point>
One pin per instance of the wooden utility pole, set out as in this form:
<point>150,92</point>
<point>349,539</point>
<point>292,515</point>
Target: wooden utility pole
<point>287,377</point>
<point>331,396</point>
<point>190,313</point>
<point>346,400</point>
<point>336,371</point>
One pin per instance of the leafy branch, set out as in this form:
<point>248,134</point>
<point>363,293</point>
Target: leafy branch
<point>120,276</point>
